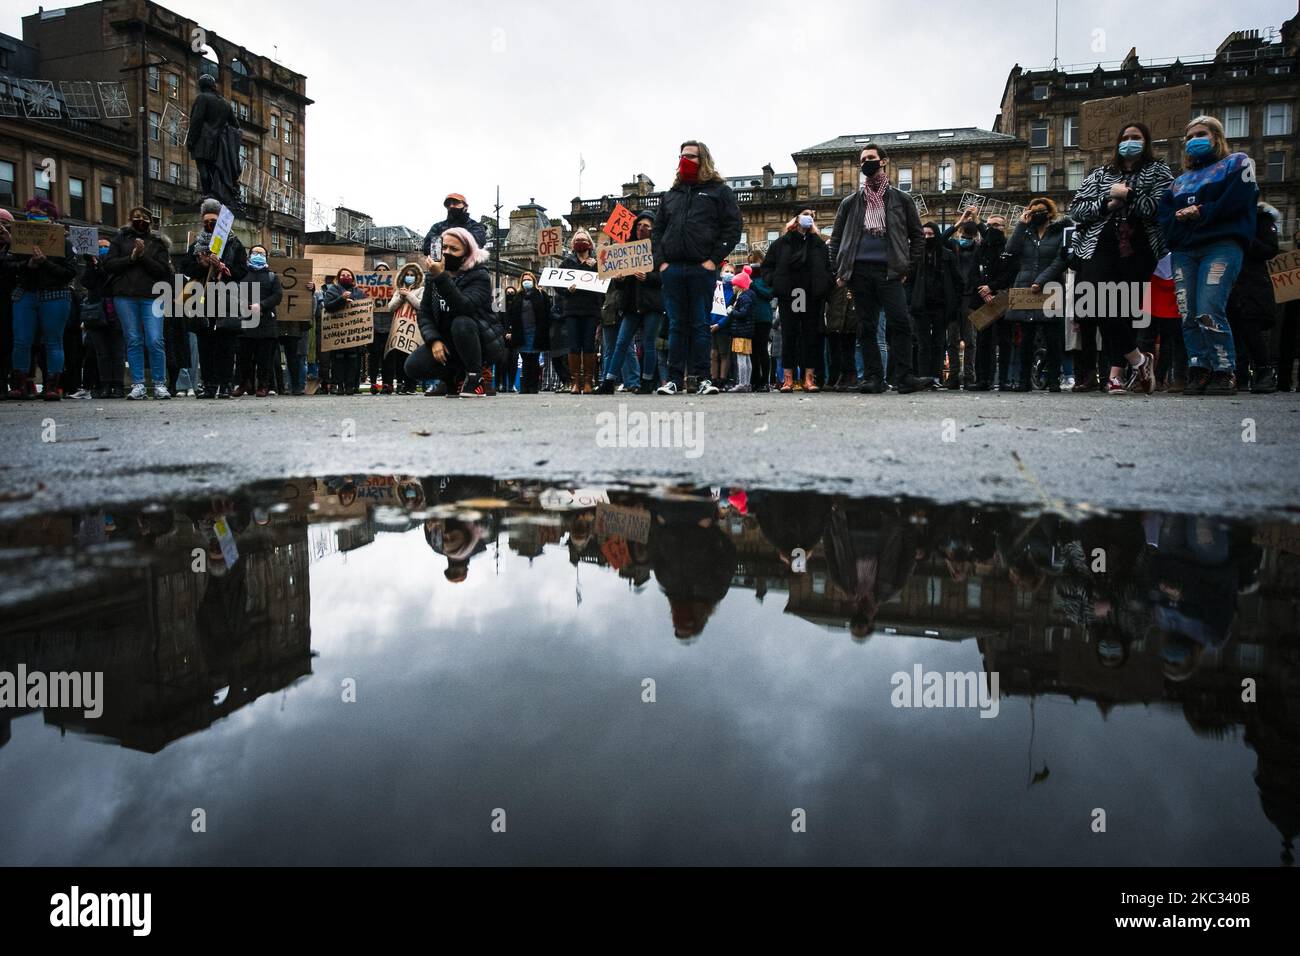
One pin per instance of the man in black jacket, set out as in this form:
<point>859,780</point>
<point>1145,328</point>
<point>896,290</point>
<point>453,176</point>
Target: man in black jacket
<point>697,227</point>
<point>457,215</point>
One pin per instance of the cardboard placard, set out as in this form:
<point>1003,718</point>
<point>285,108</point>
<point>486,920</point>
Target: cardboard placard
<point>1026,299</point>
<point>378,285</point>
<point>625,259</point>
<point>296,305</point>
<point>349,327</point>
<point>84,240</point>
<point>225,219</point>
<point>584,279</point>
<point>620,521</point>
<point>405,334</point>
<point>619,225</point>
<point>1284,272</point>
<point>24,235</point>
<point>615,551</point>
<point>719,300</point>
<point>990,312</point>
<point>1165,112</point>
<point>550,241</point>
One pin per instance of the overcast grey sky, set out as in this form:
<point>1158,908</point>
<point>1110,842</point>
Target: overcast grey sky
<point>415,100</point>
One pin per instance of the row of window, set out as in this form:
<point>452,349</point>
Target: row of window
<point>1042,91</point>
<point>1236,124</point>
<point>42,187</point>
<point>946,177</point>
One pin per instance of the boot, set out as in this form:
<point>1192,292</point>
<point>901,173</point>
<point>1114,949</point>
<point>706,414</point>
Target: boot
<point>787,383</point>
<point>486,380</point>
<point>1264,382</point>
<point>809,383</point>
<point>18,383</point>
<point>52,391</point>
<point>589,366</point>
<point>575,373</point>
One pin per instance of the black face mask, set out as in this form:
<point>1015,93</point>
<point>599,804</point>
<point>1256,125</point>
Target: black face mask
<point>457,215</point>
<point>1038,218</point>
<point>140,225</point>
<point>870,167</point>
<point>453,263</point>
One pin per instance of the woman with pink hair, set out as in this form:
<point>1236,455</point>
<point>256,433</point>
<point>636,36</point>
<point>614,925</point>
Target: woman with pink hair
<point>461,332</point>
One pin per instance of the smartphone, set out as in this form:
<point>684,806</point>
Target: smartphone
<point>435,249</point>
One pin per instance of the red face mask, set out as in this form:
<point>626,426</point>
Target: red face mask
<point>688,169</point>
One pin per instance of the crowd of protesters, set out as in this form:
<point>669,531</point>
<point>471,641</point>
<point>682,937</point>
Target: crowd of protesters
<point>879,302</point>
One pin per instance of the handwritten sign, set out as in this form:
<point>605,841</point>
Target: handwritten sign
<point>1026,299</point>
<point>989,312</point>
<point>84,240</point>
<point>24,235</point>
<point>550,241</point>
<point>719,300</point>
<point>297,303</point>
<point>1284,271</point>
<point>1165,112</point>
<point>562,499</point>
<point>405,335</point>
<point>625,259</point>
<point>619,225</point>
<point>378,285</point>
<point>623,522</point>
<point>349,327</point>
<point>584,279</point>
<point>221,233</point>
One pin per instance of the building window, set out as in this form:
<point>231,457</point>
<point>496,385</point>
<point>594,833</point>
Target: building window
<point>1156,79</point>
<point>288,171</point>
<point>1042,91</point>
<point>77,198</point>
<point>947,170</point>
<point>1199,75</point>
<point>275,167</point>
<point>288,248</point>
<point>1038,133</point>
<point>1277,119</point>
<point>41,182</point>
<point>7,184</point>
<point>1074,174</point>
<point>155,167</point>
<point>771,235</point>
<point>155,124</point>
<point>243,111</point>
<point>1070,126</point>
<point>173,86</point>
<point>288,131</point>
<point>905,178</point>
<point>986,175</point>
<point>174,172</point>
<point>1280,69</point>
<point>275,126</point>
<point>1236,121</point>
<point>243,155</point>
<point>1275,170</point>
<point>744,238</point>
<point>1038,177</point>
<point>174,128</point>
<point>156,210</point>
<point>973,593</point>
<point>108,205</point>
<point>1115,82</point>
<point>828,184</point>
<point>238,75</point>
<point>1237,72</point>
<point>1077,85</point>
<point>153,79</point>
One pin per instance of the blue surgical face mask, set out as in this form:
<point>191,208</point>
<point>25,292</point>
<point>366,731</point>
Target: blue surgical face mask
<point>727,276</point>
<point>528,284</point>
<point>1200,146</point>
<point>1131,147</point>
<point>257,260</point>
<point>103,252</point>
<point>805,222</point>
<point>965,243</point>
<point>409,279</point>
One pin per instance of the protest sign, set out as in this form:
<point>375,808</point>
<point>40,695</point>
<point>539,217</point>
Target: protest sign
<point>296,305</point>
<point>625,259</point>
<point>405,336</point>
<point>378,285</point>
<point>225,219</point>
<point>350,326</point>
<point>1026,299</point>
<point>989,312</point>
<point>550,241</point>
<point>584,279</point>
<point>562,499</point>
<point>84,239</point>
<point>619,225</point>
<point>622,521</point>
<point>24,235</point>
<point>1284,271</point>
<point>1165,112</point>
<point>719,300</point>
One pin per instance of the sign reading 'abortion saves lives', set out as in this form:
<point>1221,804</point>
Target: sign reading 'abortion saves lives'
<point>585,280</point>
<point>625,259</point>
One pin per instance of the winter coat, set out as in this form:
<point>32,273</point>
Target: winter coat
<point>1088,210</point>
<point>937,280</point>
<point>1252,299</point>
<point>265,284</point>
<point>56,272</point>
<point>467,293</point>
<point>697,222</point>
<point>541,320</point>
<point>799,260</point>
<point>641,296</point>
<point>579,304</point>
<point>840,315</point>
<point>234,258</point>
<point>763,296</point>
<point>903,235</point>
<point>1041,260</point>
<point>1227,196</point>
<point>612,307</point>
<point>739,320</point>
<point>476,229</point>
<point>135,278</point>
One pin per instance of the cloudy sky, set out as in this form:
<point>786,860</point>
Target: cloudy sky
<point>421,99</point>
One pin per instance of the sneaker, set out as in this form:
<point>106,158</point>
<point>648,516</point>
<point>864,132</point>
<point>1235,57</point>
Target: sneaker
<point>1197,380</point>
<point>160,392</point>
<point>1142,379</point>
<point>472,387</point>
<point>740,388</point>
<point>1262,382</point>
<point>137,393</point>
<point>667,388</point>
<point>707,388</point>
<point>82,393</point>
<point>1116,387</point>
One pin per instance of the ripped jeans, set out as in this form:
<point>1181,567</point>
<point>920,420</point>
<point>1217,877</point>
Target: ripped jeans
<point>1203,278</point>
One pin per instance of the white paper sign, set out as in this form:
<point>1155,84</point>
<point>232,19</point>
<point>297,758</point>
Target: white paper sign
<point>561,499</point>
<point>225,219</point>
<point>227,541</point>
<point>84,239</point>
<point>585,280</point>
<point>719,300</point>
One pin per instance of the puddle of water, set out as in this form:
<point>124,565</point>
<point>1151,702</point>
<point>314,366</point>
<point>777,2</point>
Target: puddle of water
<point>377,669</point>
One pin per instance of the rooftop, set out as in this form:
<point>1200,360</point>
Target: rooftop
<point>919,138</point>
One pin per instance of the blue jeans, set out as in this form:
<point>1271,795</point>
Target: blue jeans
<point>648,324</point>
<point>51,315</point>
<point>581,331</point>
<point>1203,278</point>
<point>688,297</point>
<point>142,326</point>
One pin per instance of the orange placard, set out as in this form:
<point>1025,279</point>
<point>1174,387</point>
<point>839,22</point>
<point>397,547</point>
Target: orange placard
<point>619,225</point>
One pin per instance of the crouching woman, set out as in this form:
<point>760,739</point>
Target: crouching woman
<point>461,332</point>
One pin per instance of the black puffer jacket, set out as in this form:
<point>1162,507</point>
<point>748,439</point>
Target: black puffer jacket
<point>696,222</point>
<point>541,319</point>
<point>799,260</point>
<point>937,285</point>
<point>466,293</point>
<point>234,258</point>
<point>135,278</point>
<point>1252,299</point>
<point>580,304</point>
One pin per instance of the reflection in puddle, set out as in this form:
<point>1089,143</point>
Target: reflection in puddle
<point>665,675</point>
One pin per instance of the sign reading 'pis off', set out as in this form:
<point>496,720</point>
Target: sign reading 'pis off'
<point>584,279</point>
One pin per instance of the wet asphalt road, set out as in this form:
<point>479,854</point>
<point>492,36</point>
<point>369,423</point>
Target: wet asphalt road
<point>1163,452</point>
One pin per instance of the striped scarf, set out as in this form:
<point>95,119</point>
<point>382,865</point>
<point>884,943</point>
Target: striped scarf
<point>873,194</point>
